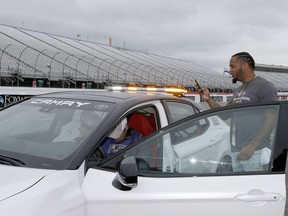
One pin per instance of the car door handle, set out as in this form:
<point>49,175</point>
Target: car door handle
<point>214,140</point>
<point>258,195</point>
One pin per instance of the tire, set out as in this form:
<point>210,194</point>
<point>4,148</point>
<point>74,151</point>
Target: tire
<point>142,164</point>
<point>225,165</point>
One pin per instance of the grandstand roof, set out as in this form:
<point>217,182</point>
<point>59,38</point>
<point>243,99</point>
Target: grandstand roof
<point>38,55</point>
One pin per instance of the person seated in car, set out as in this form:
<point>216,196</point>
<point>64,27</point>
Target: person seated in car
<point>119,138</point>
<point>77,130</point>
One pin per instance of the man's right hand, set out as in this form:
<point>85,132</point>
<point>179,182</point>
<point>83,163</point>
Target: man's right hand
<point>205,94</point>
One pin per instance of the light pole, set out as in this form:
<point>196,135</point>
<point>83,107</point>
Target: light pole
<point>125,78</point>
<point>49,75</point>
<point>226,71</point>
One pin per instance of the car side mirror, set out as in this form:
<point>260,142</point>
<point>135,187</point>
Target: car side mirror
<point>126,176</point>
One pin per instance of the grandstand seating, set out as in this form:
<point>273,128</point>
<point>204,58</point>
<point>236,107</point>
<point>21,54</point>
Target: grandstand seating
<point>27,55</point>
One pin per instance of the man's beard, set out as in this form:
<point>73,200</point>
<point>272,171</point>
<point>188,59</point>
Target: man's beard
<point>234,80</point>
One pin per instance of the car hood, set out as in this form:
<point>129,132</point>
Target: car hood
<point>15,180</point>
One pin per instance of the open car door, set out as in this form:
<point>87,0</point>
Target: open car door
<point>192,170</point>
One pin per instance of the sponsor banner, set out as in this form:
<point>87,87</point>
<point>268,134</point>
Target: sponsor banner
<point>6,100</point>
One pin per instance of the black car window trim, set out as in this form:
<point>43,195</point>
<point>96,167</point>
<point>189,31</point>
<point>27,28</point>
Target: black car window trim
<point>280,149</point>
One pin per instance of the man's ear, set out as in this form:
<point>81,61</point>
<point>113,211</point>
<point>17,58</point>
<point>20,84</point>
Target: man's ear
<point>245,66</point>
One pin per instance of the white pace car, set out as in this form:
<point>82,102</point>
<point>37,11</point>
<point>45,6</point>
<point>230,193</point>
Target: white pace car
<point>48,167</point>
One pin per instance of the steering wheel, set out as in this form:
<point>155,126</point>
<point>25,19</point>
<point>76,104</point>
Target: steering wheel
<point>142,164</point>
<point>99,153</point>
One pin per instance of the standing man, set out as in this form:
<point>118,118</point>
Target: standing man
<point>253,89</point>
<point>249,141</point>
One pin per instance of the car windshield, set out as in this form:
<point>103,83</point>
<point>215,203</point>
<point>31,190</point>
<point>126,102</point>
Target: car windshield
<point>44,132</point>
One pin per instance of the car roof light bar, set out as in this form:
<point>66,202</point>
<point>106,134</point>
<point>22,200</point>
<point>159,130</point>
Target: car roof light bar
<point>147,89</point>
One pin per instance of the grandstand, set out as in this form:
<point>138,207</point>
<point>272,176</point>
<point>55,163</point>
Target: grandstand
<point>30,58</point>
<point>276,74</point>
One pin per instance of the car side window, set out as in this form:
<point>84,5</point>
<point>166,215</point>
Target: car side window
<point>239,140</point>
<point>198,128</point>
<point>177,111</point>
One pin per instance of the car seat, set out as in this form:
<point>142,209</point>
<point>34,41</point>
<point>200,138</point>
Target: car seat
<point>140,122</point>
<point>152,121</point>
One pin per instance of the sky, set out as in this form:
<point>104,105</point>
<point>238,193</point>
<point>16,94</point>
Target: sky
<point>206,32</point>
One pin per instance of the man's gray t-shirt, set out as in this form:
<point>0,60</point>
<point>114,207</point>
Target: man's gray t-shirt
<point>248,123</point>
<point>256,90</point>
